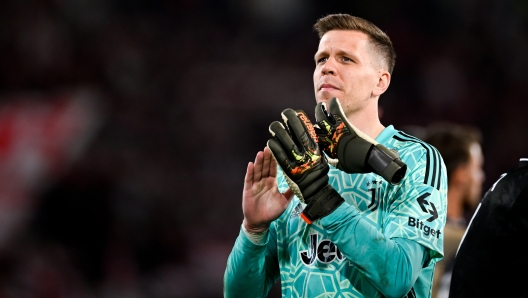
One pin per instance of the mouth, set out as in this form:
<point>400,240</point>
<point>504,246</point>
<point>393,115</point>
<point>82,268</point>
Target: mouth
<point>327,87</point>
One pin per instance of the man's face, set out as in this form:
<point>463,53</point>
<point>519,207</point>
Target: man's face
<point>346,68</point>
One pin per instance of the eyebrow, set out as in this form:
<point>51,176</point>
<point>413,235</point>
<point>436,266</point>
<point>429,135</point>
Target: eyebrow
<point>338,52</point>
<point>317,55</point>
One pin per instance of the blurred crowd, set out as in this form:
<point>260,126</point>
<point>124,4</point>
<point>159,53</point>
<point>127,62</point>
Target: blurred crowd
<point>136,192</point>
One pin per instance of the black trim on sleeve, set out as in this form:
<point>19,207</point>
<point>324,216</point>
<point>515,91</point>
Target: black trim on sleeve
<point>411,294</point>
<point>433,168</point>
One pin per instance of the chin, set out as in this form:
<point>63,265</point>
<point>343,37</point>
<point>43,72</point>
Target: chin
<point>324,98</point>
<point>327,95</point>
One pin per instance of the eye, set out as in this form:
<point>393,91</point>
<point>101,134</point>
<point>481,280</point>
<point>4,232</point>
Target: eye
<point>346,59</point>
<point>323,59</point>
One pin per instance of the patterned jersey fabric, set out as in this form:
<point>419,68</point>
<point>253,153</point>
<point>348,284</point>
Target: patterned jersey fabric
<point>310,264</point>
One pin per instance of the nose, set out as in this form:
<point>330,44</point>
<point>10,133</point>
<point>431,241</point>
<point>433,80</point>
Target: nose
<point>328,68</point>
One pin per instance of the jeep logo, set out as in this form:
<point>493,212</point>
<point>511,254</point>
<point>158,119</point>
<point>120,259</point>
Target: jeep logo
<point>324,251</point>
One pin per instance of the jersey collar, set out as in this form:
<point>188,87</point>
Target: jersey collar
<point>386,134</point>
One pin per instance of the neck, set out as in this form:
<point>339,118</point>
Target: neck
<point>367,120</point>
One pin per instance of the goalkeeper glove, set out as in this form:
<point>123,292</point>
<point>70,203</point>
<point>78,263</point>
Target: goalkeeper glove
<point>351,150</point>
<point>295,149</point>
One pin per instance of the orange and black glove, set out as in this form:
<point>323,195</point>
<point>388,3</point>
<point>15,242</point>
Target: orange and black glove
<point>305,167</point>
<point>352,151</point>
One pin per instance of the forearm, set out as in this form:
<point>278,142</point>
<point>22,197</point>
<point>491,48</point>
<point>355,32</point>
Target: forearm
<point>392,265</point>
<point>250,271</point>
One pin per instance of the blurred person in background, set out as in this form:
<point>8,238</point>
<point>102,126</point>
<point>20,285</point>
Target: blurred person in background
<point>372,237</point>
<point>492,254</point>
<point>460,146</point>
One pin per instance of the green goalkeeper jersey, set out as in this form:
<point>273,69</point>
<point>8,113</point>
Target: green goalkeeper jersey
<point>351,252</point>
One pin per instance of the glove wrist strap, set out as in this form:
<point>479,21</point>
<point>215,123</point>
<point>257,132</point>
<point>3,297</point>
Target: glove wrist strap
<point>387,164</point>
<point>321,204</point>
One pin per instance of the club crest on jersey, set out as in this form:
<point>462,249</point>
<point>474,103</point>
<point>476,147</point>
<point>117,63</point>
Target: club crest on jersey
<point>373,187</point>
<point>325,251</point>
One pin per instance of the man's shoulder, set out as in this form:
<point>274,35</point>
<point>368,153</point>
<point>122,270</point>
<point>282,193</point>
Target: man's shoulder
<point>412,150</point>
<point>510,191</point>
<point>424,162</point>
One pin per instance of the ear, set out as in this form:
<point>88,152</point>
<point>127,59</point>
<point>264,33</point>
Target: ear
<point>383,82</point>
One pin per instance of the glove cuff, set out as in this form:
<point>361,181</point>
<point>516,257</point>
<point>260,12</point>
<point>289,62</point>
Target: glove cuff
<point>321,204</point>
<point>387,164</point>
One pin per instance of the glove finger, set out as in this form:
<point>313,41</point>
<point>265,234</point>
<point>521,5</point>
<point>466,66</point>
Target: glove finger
<point>280,154</point>
<point>335,108</point>
<point>285,164</point>
<point>285,140</point>
<point>324,127</point>
<point>322,114</point>
<point>301,128</point>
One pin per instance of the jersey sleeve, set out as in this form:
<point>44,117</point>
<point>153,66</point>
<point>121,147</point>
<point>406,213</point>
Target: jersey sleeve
<point>391,265</point>
<point>419,204</point>
<point>392,255</point>
<point>251,269</point>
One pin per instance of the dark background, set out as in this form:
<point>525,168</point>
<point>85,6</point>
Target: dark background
<point>181,94</point>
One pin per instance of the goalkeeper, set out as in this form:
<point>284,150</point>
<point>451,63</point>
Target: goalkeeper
<point>343,207</point>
